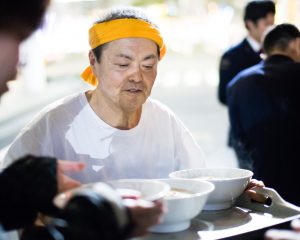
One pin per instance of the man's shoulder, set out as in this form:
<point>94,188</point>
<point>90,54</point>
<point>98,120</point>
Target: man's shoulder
<point>247,75</point>
<point>236,58</point>
<point>58,108</point>
<point>157,107</point>
<point>63,103</point>
<point>156,104</point>
<point>236,49</point>
<point>160,116</point>
<point>292,68</point>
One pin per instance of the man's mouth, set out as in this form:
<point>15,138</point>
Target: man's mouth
<point>133,90</point>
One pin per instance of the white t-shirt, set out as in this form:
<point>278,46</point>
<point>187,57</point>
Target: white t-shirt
<point>69,129</point>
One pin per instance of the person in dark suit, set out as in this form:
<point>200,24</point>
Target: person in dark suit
<point>258,15</point>
<point>264,112</point>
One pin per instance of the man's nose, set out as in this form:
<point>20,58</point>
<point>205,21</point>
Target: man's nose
<point>136,74</point>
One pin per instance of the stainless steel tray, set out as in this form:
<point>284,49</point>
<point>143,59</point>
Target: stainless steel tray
<point>243,219</point>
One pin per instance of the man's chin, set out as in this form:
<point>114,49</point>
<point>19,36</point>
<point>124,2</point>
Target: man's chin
<point>3,90</point>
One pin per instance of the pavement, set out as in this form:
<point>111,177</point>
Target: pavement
<point>207,120</point>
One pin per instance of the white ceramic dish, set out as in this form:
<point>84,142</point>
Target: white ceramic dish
<point>182,206</point>
<point>229,183</point>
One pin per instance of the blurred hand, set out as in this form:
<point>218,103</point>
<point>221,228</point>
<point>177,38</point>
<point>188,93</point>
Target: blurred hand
<point>64,182</point>
<point>144,214</point>
<point>295,224</point>
<point>254,195</point>
<point>274,234</point>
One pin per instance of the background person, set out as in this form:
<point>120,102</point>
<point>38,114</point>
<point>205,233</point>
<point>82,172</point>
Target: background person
<point>258,16</point>
<point>264,111</point>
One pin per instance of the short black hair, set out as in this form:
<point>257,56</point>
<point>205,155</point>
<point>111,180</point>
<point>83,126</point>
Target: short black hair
<point>121,13</point>
<point>258,9</point>
<point>280,37</point>
<point>125,12</point>
<point>21,17</point>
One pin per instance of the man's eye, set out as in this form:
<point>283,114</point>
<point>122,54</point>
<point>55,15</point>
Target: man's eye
<point>123,65</point>
<point>148,66</point>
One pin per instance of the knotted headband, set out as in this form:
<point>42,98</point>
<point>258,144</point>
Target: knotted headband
<point>101,33</point>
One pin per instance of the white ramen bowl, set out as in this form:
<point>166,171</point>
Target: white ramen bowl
<point>229,183</point>
<point>182,205</point>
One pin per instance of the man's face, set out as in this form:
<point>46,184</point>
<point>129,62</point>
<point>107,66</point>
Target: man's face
<point>256,30</point>
<point>126,72</point>
<point>294,49</point>
<point>9,57</point>
<point>298,49</point>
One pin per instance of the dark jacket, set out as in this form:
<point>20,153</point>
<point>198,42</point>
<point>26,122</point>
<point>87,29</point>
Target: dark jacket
<point>264,111</point>
<point>27,187</point>
<point>233,61</point>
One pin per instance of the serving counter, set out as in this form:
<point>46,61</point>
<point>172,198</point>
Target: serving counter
<point>246,220</point>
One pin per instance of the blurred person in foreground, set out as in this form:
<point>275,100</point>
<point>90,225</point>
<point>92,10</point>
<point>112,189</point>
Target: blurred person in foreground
<point>264,111</point>
<point>17,22</point>
<point>258,16</point>
<point>28,186</point>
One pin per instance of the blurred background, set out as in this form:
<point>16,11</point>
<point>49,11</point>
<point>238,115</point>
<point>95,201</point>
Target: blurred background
<point>196,34</point>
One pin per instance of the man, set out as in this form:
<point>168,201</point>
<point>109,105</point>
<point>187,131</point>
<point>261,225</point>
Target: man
<point>264,111</point>
<point>29,184</point>
<point>258,16</point>
<point>116,129</point>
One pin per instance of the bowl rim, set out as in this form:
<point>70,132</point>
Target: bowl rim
<point>249,175</point>
<point>192,195</point>
<point>154,197</point>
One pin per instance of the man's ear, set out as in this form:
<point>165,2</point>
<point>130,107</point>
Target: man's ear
<point>293,50</point>
<point>92,58</point>
<point>298,44</point>
<point>249,25</point>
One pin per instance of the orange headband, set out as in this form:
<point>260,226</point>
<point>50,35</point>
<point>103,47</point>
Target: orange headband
<point>101,33</point>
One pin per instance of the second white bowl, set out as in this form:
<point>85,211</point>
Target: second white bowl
<point>229,183</point>
<point>184,202</point>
